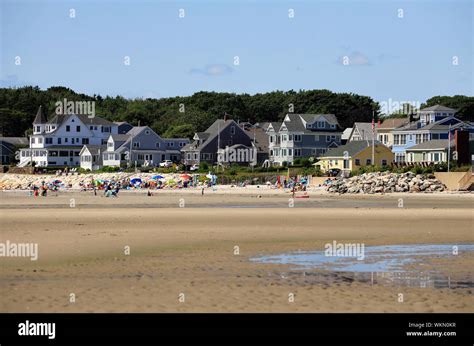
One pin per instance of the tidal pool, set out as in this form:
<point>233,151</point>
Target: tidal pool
<point>389,264</point>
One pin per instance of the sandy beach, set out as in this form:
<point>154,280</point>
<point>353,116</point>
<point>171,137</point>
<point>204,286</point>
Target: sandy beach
<point>191,251</point>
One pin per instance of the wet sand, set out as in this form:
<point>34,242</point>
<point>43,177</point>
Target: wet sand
<point>191,250</point>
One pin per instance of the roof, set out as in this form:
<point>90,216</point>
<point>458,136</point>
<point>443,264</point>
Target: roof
<point>94,149</point>
<point>311,118</point>
<point>40,118</point>
<point>275,125</point>
<point>431,145</point>
<point>260,136</point>
<point>346,133</point>
<point>120,138</point>
<point>15,140</point>
<point>438,108</point>
<point>363,129</point>
<point>60,118</point>
<point>352,148</point>
<point>392,123</point>
<point>211,132</point>
<point>297,122</point>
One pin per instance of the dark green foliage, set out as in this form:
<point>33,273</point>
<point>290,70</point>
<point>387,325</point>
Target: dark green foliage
<point>182,116</point>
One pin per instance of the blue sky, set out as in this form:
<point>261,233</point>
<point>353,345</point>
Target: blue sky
<point>389,57</point>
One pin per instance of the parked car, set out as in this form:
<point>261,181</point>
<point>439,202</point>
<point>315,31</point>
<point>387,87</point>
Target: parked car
<point>334,172</point>
<point>194,167</point>
<point>166,163</point>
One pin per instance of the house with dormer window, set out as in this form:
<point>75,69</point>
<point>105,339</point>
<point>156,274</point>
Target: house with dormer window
<point>140,146</point>
<point>434,123</point>
<point>302,135</point>
<point>213,146</point>
<point>57,141</point>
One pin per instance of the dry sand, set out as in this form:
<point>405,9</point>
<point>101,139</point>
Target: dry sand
<point>191,250</point>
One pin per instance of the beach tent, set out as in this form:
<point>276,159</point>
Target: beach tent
<point>136,181</point>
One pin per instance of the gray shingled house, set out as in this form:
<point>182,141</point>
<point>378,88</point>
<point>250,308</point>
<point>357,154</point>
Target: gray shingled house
<point>224,142</point>
<point>302,135</point>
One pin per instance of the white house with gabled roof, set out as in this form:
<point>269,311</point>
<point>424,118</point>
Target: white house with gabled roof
<point>58,141</point>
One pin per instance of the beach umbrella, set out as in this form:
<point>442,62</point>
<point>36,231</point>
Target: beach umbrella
<point>157,177</point>
<point>186,176</point>
<point>136,181</point>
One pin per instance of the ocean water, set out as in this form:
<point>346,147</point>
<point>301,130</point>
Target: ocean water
<point>388,264</point>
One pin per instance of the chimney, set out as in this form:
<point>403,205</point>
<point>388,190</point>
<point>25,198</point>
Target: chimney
<point>225,116</point>
<point>461,146</point>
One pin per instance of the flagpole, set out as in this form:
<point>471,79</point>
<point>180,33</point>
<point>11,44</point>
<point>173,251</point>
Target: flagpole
<point>373,138</point>
<point>449,145</point>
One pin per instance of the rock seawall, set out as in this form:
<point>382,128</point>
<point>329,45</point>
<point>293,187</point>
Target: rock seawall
<point>386,182</point>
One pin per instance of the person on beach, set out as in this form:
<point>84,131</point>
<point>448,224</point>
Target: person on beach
<point>202,191</point>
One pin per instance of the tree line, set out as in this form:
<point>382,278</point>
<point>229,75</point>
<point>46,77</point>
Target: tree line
<point>183,116</point>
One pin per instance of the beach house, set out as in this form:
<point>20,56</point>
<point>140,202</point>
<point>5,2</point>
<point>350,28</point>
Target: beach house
<point>361,132</point>
<point>224,142</point>
<point>9,147</point>
<point>302,135</point>
<point>58,141</point>
<point>354,155</point>
<point>434,123</point>
<point>140,146</point>
<point>384,131</point>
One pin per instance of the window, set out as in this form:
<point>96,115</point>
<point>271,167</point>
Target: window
<point>271,139</point>
<point>316,138</point>
<point>33,140</point>
<point>65,140</point>
<point>271,152</point>
<point>436,157</point>
<point>147,132</point>
<point>91,128</point>
<point>309,126</point>
<point>182,144</point>
<point>297,152</point>
<point>396,139</point>
<point>283,152</point>
<point>384,162</point>
<point>38,128</point>
<point>68,128</point>
<point>232,129</point>
<point>399,157</point>
<point>426,137</point>
<point>85,141</point>
<point>157,144</point>
<point>78,128</point>
<point>368,162</point>
<point>59,140</point>
<point>346,164</point>
<point>418,138</point>
<point>320,124</point>
<point>333,126</point>
<point>290,152</point>
<point>328,138</point>
<point>136,144</point>
<point>170,144</point>
<point>290,137</point>
<point>49,141</point>
<point>297,138</point>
